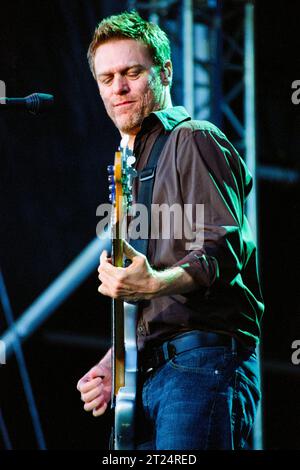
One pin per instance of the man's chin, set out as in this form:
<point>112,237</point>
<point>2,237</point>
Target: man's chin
<point>128,127</point>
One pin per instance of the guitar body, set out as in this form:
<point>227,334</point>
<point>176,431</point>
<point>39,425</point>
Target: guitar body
<point>124,315</point>
<point>124,432</point>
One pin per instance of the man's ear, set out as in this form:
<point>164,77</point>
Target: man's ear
<point>166,73</point>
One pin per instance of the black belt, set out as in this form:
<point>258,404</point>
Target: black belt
<point>153,357</point>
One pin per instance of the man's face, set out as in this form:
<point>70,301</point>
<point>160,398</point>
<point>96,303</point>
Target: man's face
<point>129,83</point>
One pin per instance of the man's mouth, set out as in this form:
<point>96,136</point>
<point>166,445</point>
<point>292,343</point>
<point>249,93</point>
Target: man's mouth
<point>124,103</point>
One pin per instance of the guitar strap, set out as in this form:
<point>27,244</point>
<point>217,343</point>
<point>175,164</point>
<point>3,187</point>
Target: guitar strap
<point>146,183</point>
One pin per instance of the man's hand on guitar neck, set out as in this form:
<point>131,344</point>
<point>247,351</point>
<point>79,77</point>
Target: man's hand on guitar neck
<point>139,281</point>
<point>95,386</point>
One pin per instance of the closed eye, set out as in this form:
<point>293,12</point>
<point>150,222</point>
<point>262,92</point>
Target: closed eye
<point>133,74</point>
<point>106,81</point>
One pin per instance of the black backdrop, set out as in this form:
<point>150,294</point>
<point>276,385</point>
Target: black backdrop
<point>53,176</point>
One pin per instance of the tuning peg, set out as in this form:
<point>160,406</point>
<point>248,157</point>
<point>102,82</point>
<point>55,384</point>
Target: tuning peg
<point>130,160</point>
<point>110,169</point>
<point>111,179</point>
<point>111,197</point>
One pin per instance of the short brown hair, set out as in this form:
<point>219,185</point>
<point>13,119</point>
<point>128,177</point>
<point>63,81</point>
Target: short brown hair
<point>131,25</point>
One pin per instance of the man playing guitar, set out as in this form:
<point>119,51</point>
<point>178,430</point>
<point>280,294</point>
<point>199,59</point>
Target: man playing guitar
<point>200,306</point>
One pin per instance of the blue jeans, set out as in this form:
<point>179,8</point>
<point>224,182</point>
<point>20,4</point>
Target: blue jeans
<point>205,398</point>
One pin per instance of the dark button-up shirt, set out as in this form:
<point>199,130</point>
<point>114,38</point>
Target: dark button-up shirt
<point>198,165</point>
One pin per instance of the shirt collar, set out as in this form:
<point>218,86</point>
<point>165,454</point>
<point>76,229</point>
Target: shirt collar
<point>169,118</point>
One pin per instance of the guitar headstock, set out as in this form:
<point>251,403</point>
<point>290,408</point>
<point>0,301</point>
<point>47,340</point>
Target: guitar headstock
<point>120,178</point>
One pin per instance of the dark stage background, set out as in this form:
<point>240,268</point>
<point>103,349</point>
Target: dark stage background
<point>53,177</point>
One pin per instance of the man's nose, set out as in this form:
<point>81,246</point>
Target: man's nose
<point>120,85</point>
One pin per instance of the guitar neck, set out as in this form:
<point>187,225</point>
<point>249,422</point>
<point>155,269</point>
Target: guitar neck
<point>120,177</point>
<point>118,354</point>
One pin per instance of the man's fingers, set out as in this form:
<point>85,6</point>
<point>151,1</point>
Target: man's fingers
<point>94,403</point>
<point>89,396</point>
<point>104,277</point>
<point>96,372</point>
<point>89,385</point>
<point>108,267</point>
<point>103,256</point>
<point>103,290</point>
<point>100,410</point>
<point>129,251</point>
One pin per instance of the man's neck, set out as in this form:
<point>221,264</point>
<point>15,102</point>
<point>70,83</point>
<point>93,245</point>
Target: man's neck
<point>131,141</point>
<point>131,137</point>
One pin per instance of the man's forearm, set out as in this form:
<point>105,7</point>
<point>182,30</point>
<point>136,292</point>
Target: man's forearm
<point>172,281</point>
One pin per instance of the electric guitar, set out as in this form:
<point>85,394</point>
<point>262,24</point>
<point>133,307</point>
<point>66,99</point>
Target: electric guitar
<point>124,315</point>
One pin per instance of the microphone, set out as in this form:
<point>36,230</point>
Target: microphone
<point>34,103</point>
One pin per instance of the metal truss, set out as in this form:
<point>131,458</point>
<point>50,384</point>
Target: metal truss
<point>208,44</point>
<point>213,59</point>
